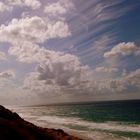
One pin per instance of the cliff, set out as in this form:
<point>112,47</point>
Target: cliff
<point>12,126</point>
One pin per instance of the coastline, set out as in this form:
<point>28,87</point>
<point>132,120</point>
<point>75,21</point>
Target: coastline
<point>97,134</point>
<point>14,127</point>
<point>77,127</point>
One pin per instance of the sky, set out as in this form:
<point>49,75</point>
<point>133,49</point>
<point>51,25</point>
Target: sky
<point>57,51</point>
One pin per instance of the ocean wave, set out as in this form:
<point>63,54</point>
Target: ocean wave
<point>35,115</point>
<point>75,123</point>
<point>89,129</point>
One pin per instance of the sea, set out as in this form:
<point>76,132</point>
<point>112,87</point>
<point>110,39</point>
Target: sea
<point>112,120</point>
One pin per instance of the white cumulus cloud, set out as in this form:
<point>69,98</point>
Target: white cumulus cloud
<point>123,49</point>
<point>59,8</point>
<point>33,29</point>
<point>55,71</point>
<point>55,9</point>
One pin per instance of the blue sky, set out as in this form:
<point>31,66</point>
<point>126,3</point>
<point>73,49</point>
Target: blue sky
<point>68,50</point>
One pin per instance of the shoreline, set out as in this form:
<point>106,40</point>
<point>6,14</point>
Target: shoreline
<point>83,129</point>
<point>15,127</point>
<point>97,134</point>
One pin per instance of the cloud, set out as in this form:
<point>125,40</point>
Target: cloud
<point>56,72</point>
<point>63,74</point>
<point>2,56</point>
<point>27,52</point>
<point>55,9</point>
<point>4,7</point>
<point>53,73</point>
<point>97,13</point>
<point>59,8</point>
<point>99,46</point>
<point>34,4</point>
<point>129,83</point>
<point>33,29</point>
<point>123,49</point>
<point>6,75</point>
<point>24,34</point>
<point>106,70</point>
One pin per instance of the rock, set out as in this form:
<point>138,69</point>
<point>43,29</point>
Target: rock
<point>13,127</point>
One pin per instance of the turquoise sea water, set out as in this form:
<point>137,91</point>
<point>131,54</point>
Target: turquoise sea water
<point>120,111</point>
<point>116,116</point>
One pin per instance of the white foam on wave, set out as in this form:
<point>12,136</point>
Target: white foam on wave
<point>87,134</point>
<point>59,121</point>
<point>89,125</point>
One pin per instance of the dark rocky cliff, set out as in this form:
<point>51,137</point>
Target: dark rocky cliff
<point>13,127</point>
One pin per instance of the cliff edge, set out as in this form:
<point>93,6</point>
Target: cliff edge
<point>12,126</point>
